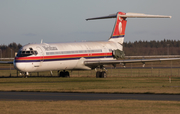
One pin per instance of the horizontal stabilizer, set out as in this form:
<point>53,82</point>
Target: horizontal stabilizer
<point>118,32</point>
<point>130,15</point>
<point>141,15</point>
<point>103,17</point>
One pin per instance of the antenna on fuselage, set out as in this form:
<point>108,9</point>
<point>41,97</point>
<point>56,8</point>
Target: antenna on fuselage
<point>41,41</point>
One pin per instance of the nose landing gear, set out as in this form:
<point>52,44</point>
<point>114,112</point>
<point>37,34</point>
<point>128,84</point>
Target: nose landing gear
<point>25,74</point>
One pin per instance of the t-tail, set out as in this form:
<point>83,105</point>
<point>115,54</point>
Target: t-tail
<point>118,32</point>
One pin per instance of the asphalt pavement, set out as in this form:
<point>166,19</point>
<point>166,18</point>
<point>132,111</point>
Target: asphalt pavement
<point>37,96</point>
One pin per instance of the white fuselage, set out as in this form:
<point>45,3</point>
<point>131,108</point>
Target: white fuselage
<point>62,56</point>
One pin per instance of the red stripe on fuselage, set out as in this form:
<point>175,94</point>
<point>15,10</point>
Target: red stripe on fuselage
<point>64,56</point>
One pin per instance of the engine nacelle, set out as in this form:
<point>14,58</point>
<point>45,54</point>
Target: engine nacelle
<point>118,54</point>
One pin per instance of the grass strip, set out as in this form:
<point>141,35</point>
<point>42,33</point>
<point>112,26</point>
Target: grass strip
<point>89,107</point>
<point>146,85</point>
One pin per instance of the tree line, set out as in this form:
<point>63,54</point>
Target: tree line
<point>8,51</point>
<point>163,47</point>
<point>137,48</point>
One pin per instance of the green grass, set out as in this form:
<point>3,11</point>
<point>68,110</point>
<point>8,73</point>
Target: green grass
<point>119,81</point>
<point>96,85</point>
<point>89,107</point>
<point>110,72</point>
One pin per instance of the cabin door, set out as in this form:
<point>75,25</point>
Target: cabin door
<point>40,57</point>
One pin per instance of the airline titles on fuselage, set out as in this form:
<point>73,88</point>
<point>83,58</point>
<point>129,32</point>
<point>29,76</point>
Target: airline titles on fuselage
<point>49,48</point>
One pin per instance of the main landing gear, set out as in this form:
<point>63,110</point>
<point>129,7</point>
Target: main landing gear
<point>63,73</point>
<point>101,74</point>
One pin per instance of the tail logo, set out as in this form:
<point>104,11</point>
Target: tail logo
<point>120,24</point>
<point>119,28</point>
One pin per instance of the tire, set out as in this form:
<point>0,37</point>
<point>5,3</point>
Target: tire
<point>66,74</point>
<point>103,74</point>
<point>61,74</point>
<point>98,73</point>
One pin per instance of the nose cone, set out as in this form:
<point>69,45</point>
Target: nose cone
<point>19,66</point>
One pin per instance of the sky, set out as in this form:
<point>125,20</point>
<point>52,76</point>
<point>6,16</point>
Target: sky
<point>58,21</point>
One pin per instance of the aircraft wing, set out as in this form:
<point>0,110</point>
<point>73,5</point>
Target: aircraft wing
<point>6,62</point>
<point>123,62</point>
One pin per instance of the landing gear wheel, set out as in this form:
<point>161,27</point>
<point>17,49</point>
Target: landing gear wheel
<point>61,74</point>
<point>98,74</point>
<point>103,74</point>
<point>64,74</point>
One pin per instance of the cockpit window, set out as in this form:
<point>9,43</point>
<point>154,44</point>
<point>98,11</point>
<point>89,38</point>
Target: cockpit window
<point>26,53</point>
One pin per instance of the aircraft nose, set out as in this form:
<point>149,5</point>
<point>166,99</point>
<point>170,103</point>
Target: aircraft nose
<point>19,66</point>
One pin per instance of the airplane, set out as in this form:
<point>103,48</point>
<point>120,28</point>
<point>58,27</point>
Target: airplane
<point>81,55</point>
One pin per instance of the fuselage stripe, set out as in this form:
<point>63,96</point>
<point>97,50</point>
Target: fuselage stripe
<point>63,57</point>
<point>117,36</point>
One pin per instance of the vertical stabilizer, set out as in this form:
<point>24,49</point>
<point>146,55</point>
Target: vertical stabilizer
<point>120,24</point>
<point>119,28</point>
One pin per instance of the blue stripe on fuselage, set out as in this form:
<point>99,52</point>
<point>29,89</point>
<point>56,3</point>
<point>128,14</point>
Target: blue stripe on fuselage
<point>62,59</point>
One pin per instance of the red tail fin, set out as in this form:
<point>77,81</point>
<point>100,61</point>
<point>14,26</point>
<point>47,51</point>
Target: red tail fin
<point>120,26</point>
